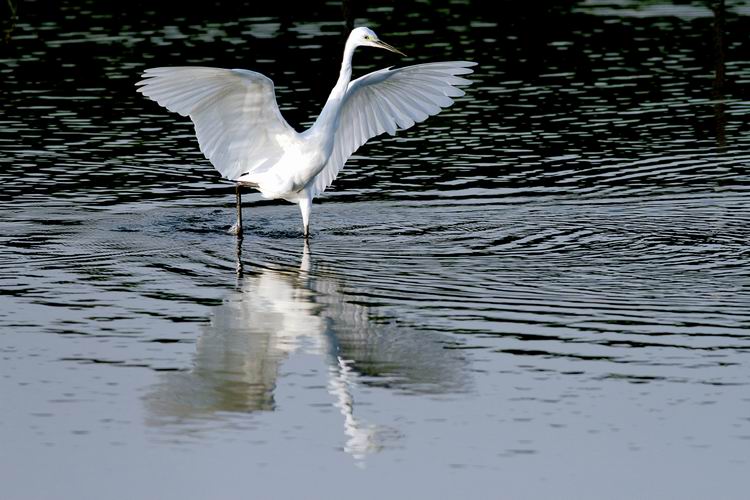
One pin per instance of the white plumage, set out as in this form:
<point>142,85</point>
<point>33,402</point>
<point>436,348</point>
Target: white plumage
<point>241,131</point>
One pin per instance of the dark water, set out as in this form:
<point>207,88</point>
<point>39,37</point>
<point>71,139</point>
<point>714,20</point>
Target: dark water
<point>542,292</point>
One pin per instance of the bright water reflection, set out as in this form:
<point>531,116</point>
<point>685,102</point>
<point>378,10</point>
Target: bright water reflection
<point>275,313</point>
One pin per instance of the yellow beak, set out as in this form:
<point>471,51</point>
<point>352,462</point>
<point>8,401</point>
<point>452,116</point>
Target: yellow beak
<point>386,46</point>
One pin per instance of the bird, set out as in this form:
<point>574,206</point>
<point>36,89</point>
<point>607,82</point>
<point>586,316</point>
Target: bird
<point>241,131</point>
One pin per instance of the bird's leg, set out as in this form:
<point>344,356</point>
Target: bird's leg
<point>237,227</point>
<point>305,206</point>
<point>238,191</point>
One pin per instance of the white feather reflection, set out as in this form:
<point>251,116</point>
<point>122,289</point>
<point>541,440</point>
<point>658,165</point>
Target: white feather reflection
<point>277,313</point>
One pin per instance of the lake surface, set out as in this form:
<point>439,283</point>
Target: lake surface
<point>543,292</point>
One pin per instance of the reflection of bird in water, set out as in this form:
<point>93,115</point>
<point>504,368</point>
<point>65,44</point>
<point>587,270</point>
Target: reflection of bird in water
<point>276,313</point>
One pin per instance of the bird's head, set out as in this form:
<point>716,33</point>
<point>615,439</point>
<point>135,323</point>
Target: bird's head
<point>367,38</point>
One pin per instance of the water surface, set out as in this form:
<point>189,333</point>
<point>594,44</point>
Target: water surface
<point>544,291</point>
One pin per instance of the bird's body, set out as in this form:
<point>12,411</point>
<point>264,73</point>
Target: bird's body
<point>241,131</point>
<point>287,177</point>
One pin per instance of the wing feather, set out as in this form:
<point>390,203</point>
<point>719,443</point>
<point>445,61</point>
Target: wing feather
<point>389,100</point>
<point>237,120</point>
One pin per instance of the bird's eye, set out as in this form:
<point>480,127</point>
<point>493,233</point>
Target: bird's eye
<point>367,37</point>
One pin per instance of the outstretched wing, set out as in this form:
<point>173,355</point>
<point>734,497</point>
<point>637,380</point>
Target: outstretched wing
<point>390,100</point>
<point>237,121</point>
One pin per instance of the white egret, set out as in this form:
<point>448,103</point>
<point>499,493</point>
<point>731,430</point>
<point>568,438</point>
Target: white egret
<point>241,131</point>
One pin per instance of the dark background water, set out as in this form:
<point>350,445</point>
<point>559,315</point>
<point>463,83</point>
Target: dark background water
<point>541,292</point>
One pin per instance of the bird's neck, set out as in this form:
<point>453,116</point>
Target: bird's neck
<point>328,118</point>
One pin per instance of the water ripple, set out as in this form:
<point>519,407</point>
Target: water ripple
<point>577,225</point>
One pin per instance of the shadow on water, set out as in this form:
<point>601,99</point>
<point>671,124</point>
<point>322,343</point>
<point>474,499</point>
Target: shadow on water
<point>276,313</point>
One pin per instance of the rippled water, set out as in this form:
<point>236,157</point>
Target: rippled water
<point>542,292</point>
